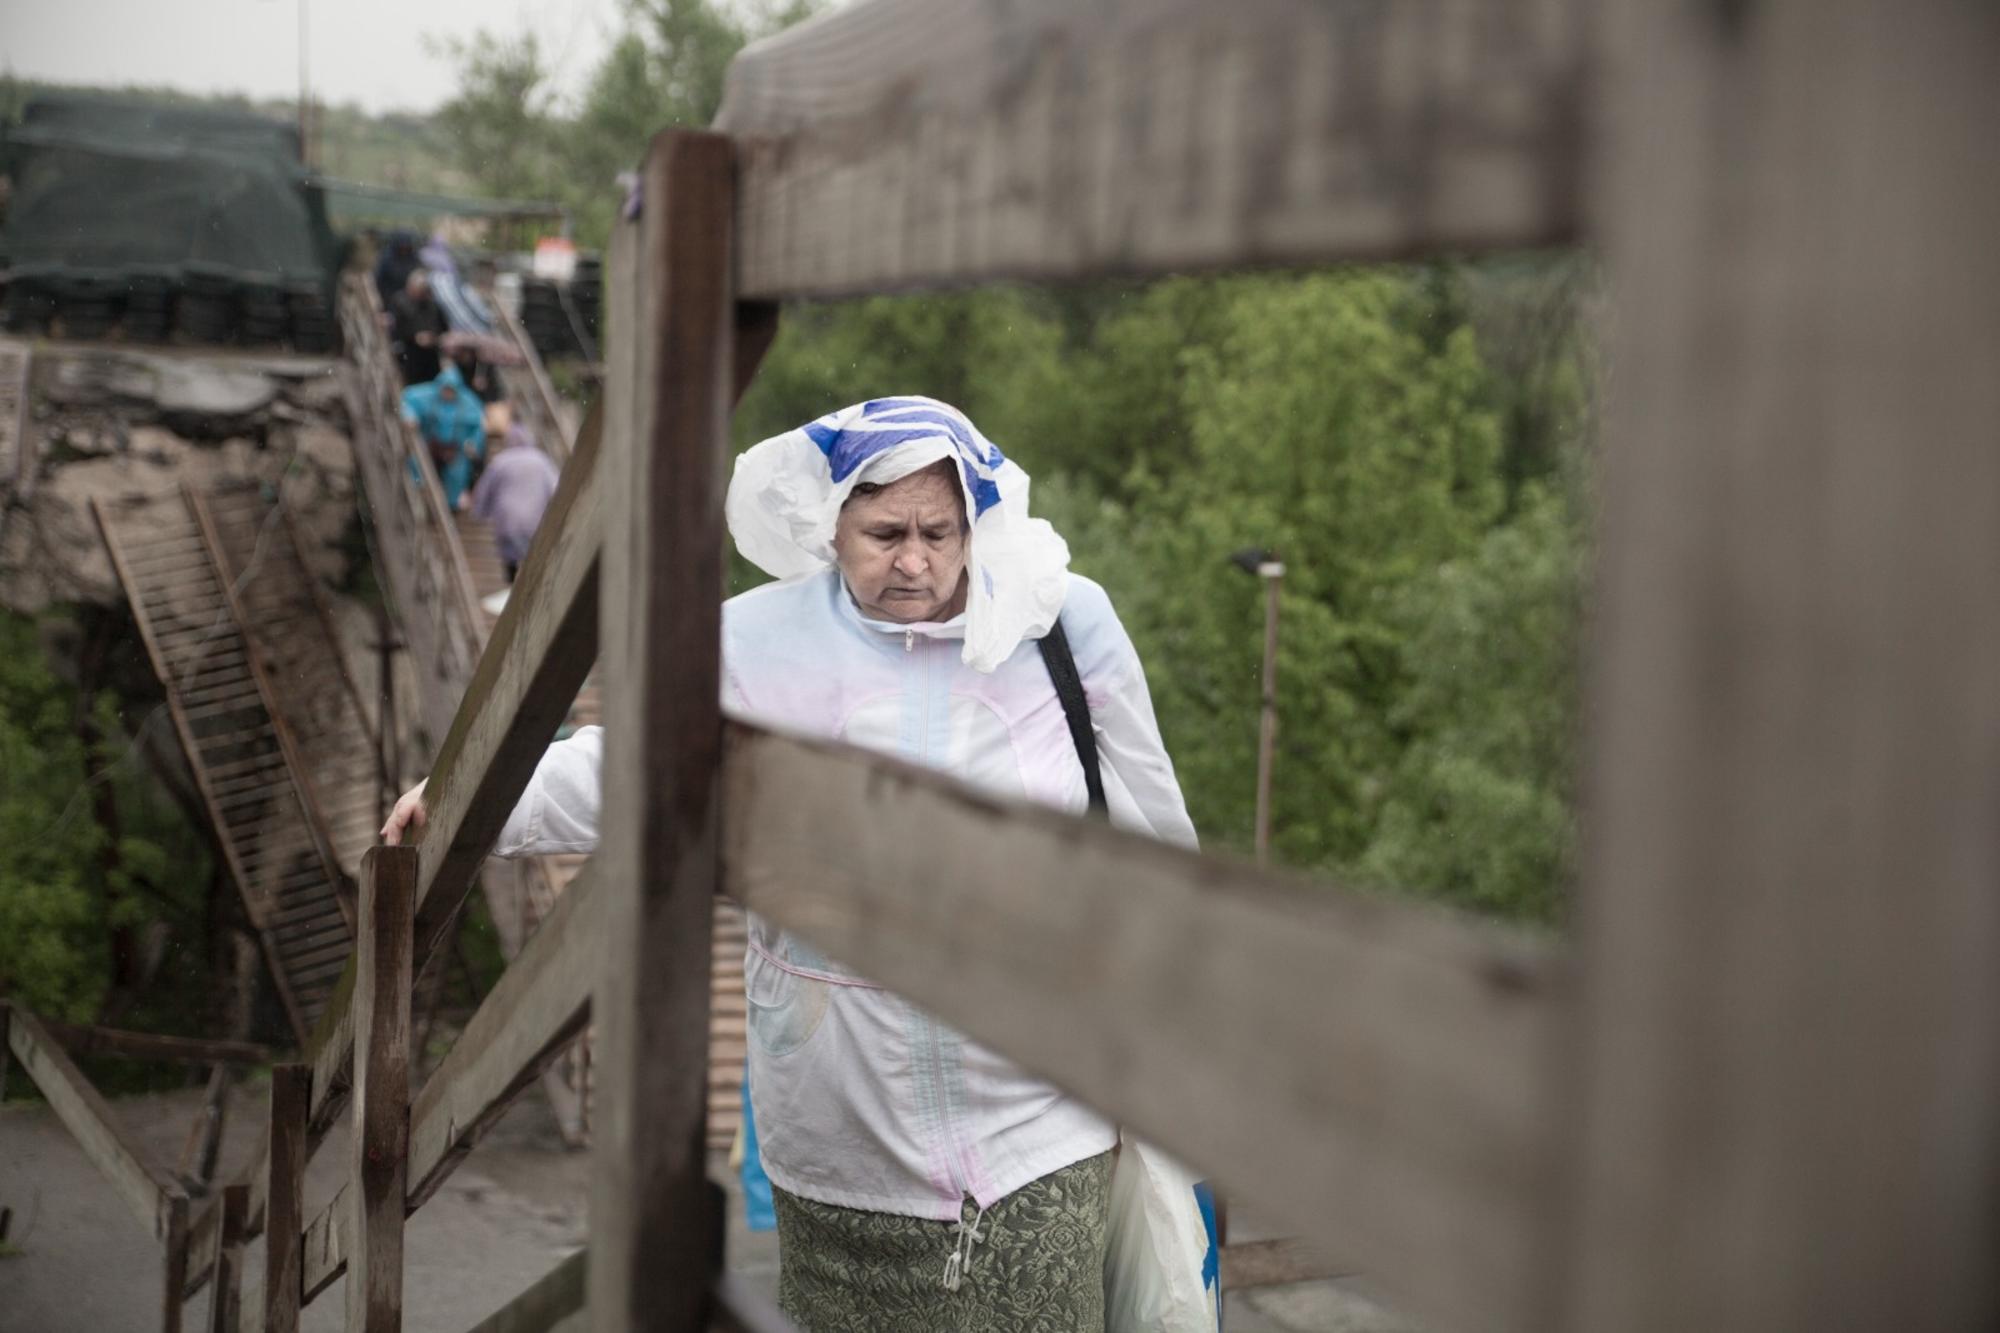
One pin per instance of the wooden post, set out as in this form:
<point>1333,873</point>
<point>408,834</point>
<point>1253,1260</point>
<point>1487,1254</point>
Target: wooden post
<point>381,1090</point>
<point>1787,1044</point>
<point>175,1208</point>
<point>225,1300</point>
<point>670,387</point>
<point>284,1196</point>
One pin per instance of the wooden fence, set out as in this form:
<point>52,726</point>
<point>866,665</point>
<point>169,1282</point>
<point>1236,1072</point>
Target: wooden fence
<point>1758,1090</point>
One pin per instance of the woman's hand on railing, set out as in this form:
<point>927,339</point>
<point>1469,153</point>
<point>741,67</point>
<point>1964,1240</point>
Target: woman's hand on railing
<point>408,814</point>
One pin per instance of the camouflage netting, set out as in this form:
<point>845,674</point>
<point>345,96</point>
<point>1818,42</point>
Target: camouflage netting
<point>178,222</point>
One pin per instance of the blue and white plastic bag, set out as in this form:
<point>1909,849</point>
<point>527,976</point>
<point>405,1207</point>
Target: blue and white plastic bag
<point>1162,1271</point>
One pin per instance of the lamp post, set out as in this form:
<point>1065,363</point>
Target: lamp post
<point>305,95</point>
<point>1266,566</point>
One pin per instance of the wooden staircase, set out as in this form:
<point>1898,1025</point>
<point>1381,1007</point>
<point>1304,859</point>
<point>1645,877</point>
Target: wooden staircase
<point>249,767</point>
<point>300,648</point>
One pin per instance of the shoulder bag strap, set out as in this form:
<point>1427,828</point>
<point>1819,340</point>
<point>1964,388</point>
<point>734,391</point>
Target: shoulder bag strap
<point>1069,688</point>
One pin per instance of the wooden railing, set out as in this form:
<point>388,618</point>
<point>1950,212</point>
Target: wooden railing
<point>532,393</point>
<point>1759,1092</point>
<point>417,553</point>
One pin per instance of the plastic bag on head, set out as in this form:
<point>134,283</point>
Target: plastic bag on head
<point>786,493</point>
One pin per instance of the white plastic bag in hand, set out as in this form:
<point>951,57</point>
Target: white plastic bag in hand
<point>1154,1264</point>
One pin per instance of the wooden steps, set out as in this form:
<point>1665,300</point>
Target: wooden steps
<point>258,792</point>
<point>301,652</point>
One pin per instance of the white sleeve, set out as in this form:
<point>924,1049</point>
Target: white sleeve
<point>559,810</point>
<point>1133,754</point>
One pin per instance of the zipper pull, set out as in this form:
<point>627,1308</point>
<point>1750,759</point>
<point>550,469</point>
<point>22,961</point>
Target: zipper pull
<point>909,641</point>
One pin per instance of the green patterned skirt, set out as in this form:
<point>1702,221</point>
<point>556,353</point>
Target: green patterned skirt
<point>1033,1264</point>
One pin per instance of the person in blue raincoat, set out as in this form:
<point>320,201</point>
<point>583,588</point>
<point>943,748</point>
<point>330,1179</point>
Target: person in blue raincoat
<point>449,417</point>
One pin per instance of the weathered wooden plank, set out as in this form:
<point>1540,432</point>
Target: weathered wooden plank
<point>225,1302</point>
<point>381,1090</point>
<point>895,143</point>
<point>1370,1072</point>
<point>533,666</point>
<point>1271,1263</point>
<point>330,1052</point>
<point>540,1002</point>
<point>81,1039</point>
<point>93,1124</point>
<point>670,386</point>
<point>174,1276</point>
<point>291,1099</point>
<point>1788,1042</point>
<point>324,1245</point>
<point>536,405</point>
<point>554,1297</point>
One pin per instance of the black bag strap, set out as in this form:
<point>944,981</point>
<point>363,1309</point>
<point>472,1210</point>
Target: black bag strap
<point>1069,688</point>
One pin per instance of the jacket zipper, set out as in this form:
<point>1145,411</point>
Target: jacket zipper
<point>954,1149</point>
<point>954,1154</point>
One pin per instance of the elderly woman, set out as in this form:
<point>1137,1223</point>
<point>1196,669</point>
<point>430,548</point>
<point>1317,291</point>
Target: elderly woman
<point>921,1181</point>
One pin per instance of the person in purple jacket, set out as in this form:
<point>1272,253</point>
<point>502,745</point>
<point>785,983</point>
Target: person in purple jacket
<point>513,493</point>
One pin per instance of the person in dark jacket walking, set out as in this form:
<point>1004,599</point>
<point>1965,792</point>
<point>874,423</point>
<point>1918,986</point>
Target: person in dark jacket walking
<point>416,330</point>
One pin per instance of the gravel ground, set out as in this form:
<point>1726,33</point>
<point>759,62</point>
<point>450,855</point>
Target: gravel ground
<point>517,1205</point>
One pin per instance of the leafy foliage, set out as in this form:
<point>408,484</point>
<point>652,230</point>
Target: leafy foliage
<point>71,883</point>
<point>666,69</point>
<point>1424,504</point>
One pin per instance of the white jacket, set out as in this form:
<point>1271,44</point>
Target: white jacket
<point>861,1099</point>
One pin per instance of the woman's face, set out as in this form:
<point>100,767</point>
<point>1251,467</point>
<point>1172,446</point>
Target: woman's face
<point>902,548</point>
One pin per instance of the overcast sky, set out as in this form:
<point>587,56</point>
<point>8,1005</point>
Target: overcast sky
<point>367,51</point>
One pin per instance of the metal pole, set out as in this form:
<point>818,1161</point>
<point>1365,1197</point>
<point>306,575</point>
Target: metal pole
<point>305,95</point>
<point>1273,574</point>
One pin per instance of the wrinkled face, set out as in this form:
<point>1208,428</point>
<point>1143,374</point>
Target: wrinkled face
<point>902,547</point>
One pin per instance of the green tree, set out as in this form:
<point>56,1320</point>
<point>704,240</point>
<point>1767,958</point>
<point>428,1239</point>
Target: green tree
<point>1319,427</point>
<point>54,952</point>
<point>667,68</point>
<point>501,123</point>
<point>1477,809</point>
<point>92,852</point>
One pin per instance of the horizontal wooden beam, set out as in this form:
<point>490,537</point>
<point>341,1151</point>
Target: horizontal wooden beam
<point>903,143</point>
<point>81,1039</point>
<point>1368,1071</point>
<point>540,1002</point>
<point>146,1189</point>
<point>325,1246</point>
